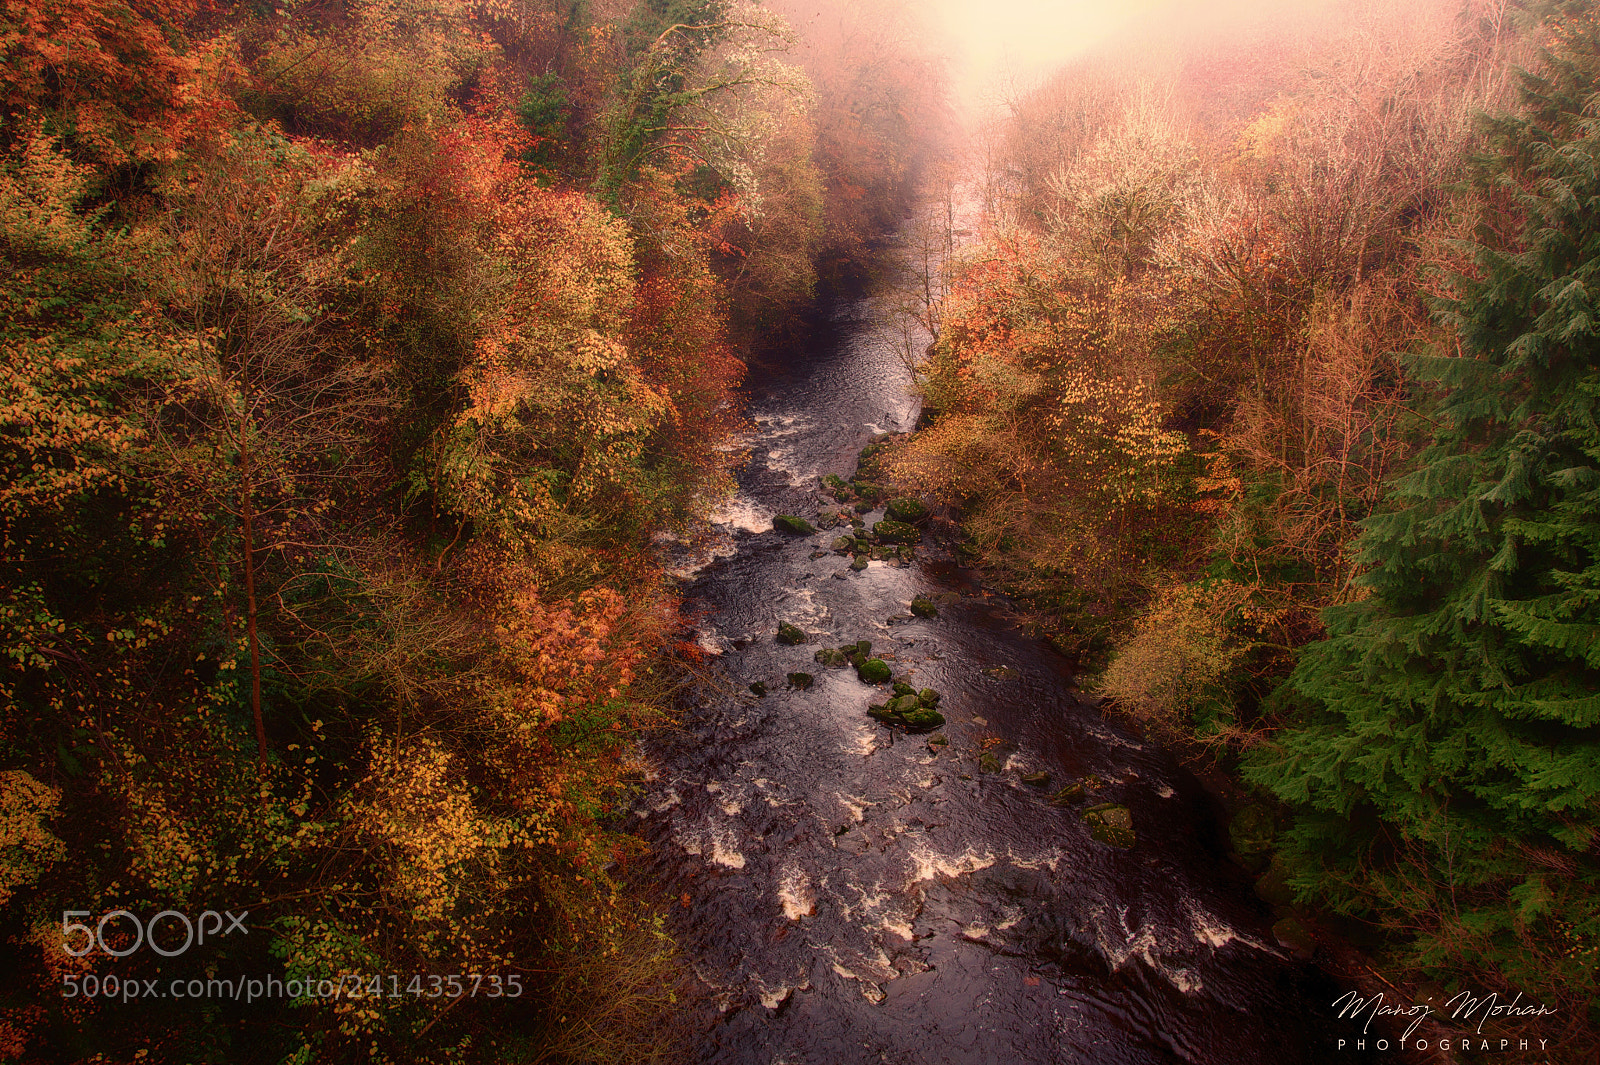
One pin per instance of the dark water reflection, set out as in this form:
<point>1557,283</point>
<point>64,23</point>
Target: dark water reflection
<point>855,897</point>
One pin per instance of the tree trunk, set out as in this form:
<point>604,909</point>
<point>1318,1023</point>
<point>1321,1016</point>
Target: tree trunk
<point>247,516</point>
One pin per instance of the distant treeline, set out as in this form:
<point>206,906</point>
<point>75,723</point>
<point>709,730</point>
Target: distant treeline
<point>356,353</point>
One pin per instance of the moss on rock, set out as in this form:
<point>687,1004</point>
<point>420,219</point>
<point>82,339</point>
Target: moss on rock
<point>788,523</point>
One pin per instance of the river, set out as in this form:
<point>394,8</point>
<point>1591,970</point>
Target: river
<point>845,894</point>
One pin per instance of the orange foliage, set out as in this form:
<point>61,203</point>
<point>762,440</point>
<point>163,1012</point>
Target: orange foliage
<point>112,77</point>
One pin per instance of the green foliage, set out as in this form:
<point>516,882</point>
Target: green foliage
<point>1446,771</point>
<point>545,110</point>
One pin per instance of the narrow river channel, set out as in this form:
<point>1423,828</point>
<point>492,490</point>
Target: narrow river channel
<point>852,895</point>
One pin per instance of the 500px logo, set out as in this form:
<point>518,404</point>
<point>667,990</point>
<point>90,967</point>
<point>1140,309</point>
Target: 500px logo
<point>145,933</point>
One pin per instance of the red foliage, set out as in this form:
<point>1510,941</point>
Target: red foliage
<point>118,78</point>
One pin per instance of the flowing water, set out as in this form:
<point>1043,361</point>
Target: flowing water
<point>849,895</point>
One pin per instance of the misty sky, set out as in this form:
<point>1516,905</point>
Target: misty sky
<point>1029,38</point>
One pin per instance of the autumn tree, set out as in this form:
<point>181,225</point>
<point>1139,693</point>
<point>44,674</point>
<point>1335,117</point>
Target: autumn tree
<point>1445,773</point>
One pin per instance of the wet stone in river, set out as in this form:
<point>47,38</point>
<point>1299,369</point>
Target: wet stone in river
<point>1111,823</point>
<point>874,671</point>
<point>794,526</point>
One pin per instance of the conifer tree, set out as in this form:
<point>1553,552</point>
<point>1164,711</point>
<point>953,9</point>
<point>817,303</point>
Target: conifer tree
<point>1445,768</point>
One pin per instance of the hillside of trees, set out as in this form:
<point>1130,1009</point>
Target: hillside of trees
<point>356,356</point>
<point>1272,390</point>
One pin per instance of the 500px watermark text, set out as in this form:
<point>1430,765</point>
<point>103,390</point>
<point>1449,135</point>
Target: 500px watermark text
<point>76,934</point>
<point>352,986</point>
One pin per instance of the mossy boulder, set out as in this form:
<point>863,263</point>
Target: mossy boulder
<point>1292,933</point>
<point>988,763</point>
<point>836,487</point>
<point>859,564</point>
<point>788,523</point>
<point>831,658</point>
<point>907,510</point>
<point>1038,780</point>
<point>844,544</point>
<point>924,608</point>
<point>1077,791</point>
<point>1252,832</point>
<point>896,532</point>
<point>904,704</point>
<point>1068,795</point>
<point>790,634</point>
<point>929,697</point>
<point>800,681</point>
<point>874,671</point>
<point>1273,886</point>
<point>907,712</point>
<point>869,492</point>
<point>1111,823</point>
<point>902,688</point>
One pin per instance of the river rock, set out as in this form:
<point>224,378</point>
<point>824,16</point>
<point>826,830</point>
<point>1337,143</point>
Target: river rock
<point>835,486</point>
<point>759,688</point>
<point>860,563</point>
<point>790,634</point>
<point>1111,823</point>
<point>1037,780</point>
<point>874,671</point>
<point>896,532</point>
<point>800,681</point>
<point>1068,795</point>
<point>788,523</point>
<point>1077,790</point>
<point>924,608</point>
<point>929,697</point>
<point>1292,933</point>
<point>844,544</point>
<point>1252,832</point>
<point>938,740</point>
<point>861,647</point>
<point>907,712</point>
<point>831,658</point>
<point>1273,886</point>
<point>907,510</point>
<point>902,688</point>
<point>988,763</point>
<point>904,704</point>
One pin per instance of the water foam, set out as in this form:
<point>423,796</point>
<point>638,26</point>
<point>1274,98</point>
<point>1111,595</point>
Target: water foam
<point>795,894</point>
<point>927,865</point>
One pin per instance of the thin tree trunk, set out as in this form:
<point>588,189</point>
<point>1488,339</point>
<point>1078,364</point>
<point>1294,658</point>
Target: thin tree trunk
<point>247,515</point>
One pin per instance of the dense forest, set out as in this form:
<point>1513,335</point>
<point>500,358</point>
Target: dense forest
<point>362,355</point>
<point>1272,390</point>
<point>357,354</point>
